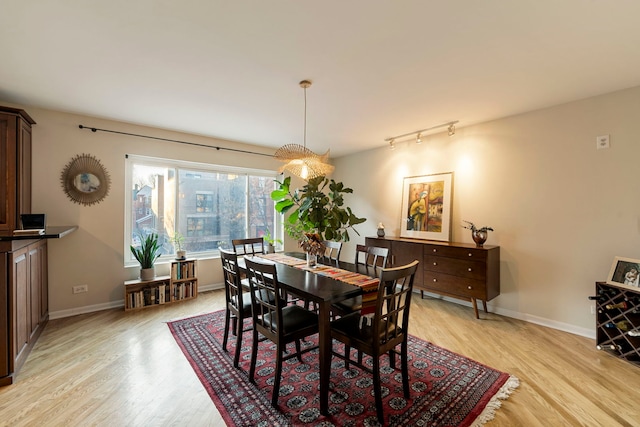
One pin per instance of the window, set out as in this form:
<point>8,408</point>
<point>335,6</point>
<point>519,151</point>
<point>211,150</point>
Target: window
<point>209,205</point>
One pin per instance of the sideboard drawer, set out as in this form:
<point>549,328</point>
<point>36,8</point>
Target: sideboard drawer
<point>456,267</point>
<point>454,285</point>
<point>456,252</point>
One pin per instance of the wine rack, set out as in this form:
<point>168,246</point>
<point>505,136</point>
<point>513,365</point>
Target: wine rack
<point>618,321</point>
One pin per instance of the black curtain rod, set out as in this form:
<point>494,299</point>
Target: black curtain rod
<point>174,140</point>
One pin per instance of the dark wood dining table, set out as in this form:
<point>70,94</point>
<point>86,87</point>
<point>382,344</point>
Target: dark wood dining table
<point>323,291</point>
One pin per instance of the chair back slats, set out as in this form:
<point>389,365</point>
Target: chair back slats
<point>392,307</point>
<point>372,256</point>
<point>232,287</point>
<point>250,246</point>
<point>332,250</point>
<point>263,284</point>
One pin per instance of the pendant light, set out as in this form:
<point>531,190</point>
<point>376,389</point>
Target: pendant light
<point>299,160</point>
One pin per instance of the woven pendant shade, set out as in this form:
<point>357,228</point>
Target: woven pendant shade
<point>303,162</point>
<point>299,160</point>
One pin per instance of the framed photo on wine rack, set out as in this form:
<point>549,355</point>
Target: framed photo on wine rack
<point>625,272</point>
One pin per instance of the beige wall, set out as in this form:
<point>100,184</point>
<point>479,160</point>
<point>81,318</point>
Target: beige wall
<point>561,209</point>
<point>93,254</point>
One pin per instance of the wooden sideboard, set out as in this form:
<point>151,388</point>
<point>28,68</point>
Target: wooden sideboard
<point>458,270</point>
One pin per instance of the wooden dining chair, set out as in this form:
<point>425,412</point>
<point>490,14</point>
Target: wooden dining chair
<point>374,258</point>
<point>388,329</point>
<point>238,302</point>
<point>251,246</point>
<point>274,319</point>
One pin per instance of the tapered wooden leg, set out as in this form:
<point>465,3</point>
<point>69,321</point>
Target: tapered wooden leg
<point>276,381</point>
<point>484,305</point>
<point>254,354</point>
<point>377,390</point>
<point>475,307</point>
<point>226,329</point>
<point>239,326</point>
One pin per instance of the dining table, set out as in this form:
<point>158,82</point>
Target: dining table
<point>324,289</point>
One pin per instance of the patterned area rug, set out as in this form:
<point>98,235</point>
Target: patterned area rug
<point>447,389</point>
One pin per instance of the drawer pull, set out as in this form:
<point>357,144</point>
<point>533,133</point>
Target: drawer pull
<point>435,250</point>
<point>469,269</point>
<point>470,254</point>
<point>469,287</point>
<point>435,280</point>
<point>435,263</point>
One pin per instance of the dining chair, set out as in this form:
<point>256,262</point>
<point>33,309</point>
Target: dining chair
<point>275,320</point>
<point>238,301</point>
<point>374,258</point>
<point>388,329</point>
<point>251,246</point>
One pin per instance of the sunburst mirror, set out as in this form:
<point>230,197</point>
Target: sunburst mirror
<point>85,180</point>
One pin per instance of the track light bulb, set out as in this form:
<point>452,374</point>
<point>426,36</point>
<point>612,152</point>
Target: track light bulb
<point>392,144</point>
<point>419,139</point>
<point>452,129</point>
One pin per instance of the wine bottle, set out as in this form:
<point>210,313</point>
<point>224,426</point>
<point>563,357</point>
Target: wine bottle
<point>634,333</point>
<point>598,298</point>
<point>621,305</point>
<point>608,347</point>
<point>623,325</point>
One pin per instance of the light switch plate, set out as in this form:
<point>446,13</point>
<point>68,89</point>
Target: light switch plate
<point>602,142</point>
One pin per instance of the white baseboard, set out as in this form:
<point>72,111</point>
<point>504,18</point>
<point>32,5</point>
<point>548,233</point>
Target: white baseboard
<point>553,324</point>
<point>113,304</point>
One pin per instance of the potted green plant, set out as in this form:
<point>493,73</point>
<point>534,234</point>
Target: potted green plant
<point>271,241</point>
<point>147,254</point>
<point>178,240</point>
<point>315,213</point>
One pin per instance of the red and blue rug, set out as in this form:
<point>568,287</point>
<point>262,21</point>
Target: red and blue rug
<point>447,389</point>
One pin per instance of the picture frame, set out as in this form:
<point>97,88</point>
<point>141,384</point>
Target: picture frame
<point>426,207</point>
<point>625,272</point>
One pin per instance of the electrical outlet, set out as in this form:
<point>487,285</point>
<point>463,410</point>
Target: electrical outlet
<point>80,289</point>
<point>602,142</point>
<point>593,309</point>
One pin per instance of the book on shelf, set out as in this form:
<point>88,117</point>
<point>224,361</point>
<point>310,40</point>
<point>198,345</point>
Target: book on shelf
<point>29,232</point>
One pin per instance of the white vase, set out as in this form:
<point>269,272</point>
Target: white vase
<point>147,273</point>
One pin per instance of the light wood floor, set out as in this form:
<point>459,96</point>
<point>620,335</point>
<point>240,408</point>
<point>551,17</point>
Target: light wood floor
<point>113,368</point>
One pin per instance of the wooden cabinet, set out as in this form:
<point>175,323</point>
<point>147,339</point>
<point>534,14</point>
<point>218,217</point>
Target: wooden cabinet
<point>618,321</point>
<point>458,270</point>
<point>23,269</point>
<point>24,305</point>
<point>180,285</point>
<point>15,166</point>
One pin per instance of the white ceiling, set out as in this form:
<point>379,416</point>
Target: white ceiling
<point>230,69</point>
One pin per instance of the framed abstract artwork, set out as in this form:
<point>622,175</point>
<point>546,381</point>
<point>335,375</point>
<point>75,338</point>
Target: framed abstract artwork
<point>625,272</point>
<point>426,207</point>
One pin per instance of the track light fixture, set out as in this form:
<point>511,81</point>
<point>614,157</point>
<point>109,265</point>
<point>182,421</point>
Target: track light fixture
<point>451,128</point>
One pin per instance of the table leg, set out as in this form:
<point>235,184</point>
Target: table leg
<point>324,343</point>
<point>484,304</point>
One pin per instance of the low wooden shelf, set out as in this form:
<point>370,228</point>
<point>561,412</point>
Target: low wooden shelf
<point>618,321</point>
<point>180,285</point>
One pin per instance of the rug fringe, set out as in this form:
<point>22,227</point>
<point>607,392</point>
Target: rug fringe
<point>494,404</point>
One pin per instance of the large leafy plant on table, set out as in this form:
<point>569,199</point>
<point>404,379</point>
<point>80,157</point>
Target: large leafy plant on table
<point>316,212</point>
